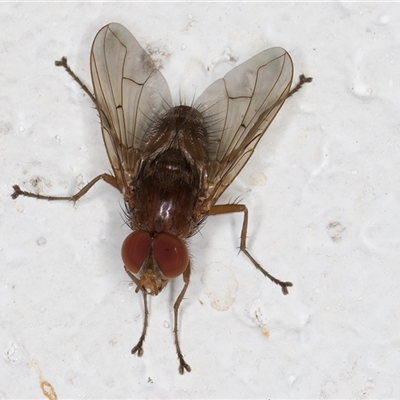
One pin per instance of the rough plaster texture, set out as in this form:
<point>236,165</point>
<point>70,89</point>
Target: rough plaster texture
<point>323,190</point>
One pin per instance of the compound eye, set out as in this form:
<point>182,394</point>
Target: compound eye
<point>135,249</point>
<point>170,254</point>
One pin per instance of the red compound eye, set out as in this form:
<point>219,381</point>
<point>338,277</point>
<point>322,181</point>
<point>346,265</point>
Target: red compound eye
<point>135,249</point>
<point>170,254</point>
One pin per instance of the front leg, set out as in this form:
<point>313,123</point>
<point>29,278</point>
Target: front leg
<point>138,348</point>
<point>182,363</point>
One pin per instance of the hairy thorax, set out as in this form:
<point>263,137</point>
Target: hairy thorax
<point>167,196</point>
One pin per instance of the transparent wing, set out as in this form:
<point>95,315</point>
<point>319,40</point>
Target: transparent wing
<point>238,110</point>
<point>130,94</point>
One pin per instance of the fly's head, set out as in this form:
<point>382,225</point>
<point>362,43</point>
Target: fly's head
<point>151,260</point>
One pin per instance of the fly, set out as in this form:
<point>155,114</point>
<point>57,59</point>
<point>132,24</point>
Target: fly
<point>172,164</point>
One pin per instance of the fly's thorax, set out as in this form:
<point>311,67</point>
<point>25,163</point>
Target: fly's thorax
<point>165,195</point>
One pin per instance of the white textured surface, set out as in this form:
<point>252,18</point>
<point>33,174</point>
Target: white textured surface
<point>323,190</point>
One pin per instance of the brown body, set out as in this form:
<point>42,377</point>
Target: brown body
<point>172,164</point>
<point>169,182</point>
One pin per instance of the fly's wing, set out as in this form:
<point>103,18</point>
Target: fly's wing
<point>238,109</point>
<point>130,94</point>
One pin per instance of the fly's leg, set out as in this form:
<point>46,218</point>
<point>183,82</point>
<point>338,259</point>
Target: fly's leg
<point>63,63</point>
<point>233,208</point>
<point>105,177</point>
<point>182,363</point>
<point>302,80</point>
<point>138,348</point>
